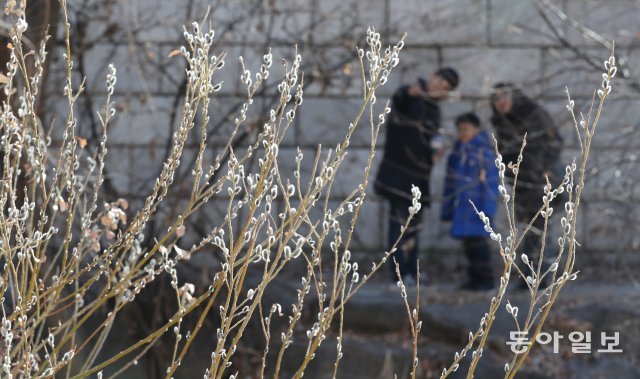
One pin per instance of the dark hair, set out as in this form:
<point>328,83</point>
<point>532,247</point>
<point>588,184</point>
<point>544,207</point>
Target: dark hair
<point>450,75</point>
<point>470,118</point>
<point>503,88</point>
<point>522,104</point>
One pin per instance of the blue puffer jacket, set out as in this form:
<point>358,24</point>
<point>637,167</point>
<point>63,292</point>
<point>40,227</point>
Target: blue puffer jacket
<point>462,183</point>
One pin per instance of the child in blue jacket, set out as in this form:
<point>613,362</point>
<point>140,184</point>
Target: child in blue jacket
<point>472,176</point>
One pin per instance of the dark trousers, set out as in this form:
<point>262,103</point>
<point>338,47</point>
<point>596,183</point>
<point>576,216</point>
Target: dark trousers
<point>478,252</point>
<point>406,253</point>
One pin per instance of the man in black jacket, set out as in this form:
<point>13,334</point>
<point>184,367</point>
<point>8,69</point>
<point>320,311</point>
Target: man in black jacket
<point>407,160</point>
<point>515,114</point>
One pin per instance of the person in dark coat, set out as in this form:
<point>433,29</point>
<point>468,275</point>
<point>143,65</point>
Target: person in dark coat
<point>515,114</point>
<point>472,176</point>
<point>407,160</point>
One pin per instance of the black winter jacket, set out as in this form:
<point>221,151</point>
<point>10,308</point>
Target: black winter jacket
<point>541,153</point>
<point>407,155</point>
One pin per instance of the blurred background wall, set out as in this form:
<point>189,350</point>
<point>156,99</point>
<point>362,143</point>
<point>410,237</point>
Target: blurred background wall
<point>541,45</point>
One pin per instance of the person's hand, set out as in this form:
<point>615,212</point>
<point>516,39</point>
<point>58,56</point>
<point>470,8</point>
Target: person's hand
<point>483,176</point>
<point>415,90</point>
<point>437,148</point>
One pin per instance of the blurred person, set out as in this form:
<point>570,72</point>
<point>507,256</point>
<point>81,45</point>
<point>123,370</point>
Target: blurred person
<point>514,115</point>
<point>472,176</point>
<point>407,161</point>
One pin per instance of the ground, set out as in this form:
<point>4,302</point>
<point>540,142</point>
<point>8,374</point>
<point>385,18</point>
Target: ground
<point>377,338</point>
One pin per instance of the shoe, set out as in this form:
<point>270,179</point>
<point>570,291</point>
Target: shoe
<point>472,285</point>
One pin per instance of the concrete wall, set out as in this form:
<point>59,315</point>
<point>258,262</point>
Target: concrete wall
<point>486,40</point>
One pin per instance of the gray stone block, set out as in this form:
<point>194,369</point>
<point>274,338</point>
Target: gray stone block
<point>144,167</point>
<point>326,121</point>
<point>347,178</point>
<point>563,120</point>
<point>253,56</point>
<point>332,70</point>
<point>336,20</point>
<point>223,110</point>
<point>564,68</point>
<point>482,68</point>
<point>260,23</point>
<point>593,189</point>
<point>141,120</point>
<point>618,125</point>
<point>441,22</point>
<point>351,173</point>
<point>617,174</point>
<point>612,20</point>
<point>118,169</point>
<point>607,226</point>
<point>451,109</point>
<point>414,62</point>
<point>517,24</point>
<point>366,234</point>
<point>135,67</point>
<point>162,20</point>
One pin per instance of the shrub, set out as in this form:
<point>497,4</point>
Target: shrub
<point>70,260</point>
